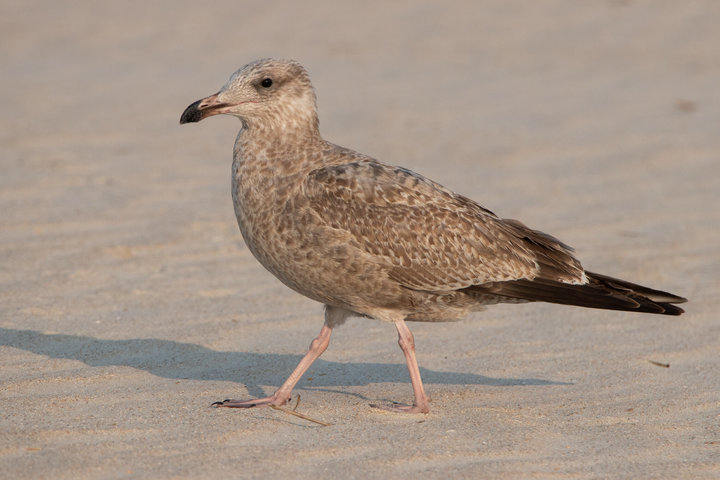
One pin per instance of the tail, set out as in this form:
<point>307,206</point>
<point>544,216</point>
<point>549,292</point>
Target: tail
<point>601,291</point>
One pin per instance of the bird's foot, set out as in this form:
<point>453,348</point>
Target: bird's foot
<point>258,402</point>
<point>399,408</point>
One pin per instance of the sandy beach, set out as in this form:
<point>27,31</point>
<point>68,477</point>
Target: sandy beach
<point>129,302</point>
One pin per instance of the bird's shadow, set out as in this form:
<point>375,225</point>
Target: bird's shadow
<point>177,360</point>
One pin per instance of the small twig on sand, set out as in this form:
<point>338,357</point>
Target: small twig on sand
<point>298,414</point>
<point>659,364</point>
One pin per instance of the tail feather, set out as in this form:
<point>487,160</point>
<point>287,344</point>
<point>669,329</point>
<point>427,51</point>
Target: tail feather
<point>601,291</point>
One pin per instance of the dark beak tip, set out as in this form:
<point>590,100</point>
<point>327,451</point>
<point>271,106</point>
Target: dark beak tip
<point>192,114</point>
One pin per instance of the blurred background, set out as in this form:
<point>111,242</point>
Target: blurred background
<point>598,122</point>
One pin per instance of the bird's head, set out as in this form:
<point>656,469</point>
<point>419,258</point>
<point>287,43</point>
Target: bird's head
<point>267,93</point>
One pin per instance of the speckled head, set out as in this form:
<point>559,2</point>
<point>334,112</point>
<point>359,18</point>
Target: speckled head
<point>264,94</point>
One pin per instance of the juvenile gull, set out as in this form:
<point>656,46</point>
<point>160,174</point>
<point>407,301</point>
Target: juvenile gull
<point>365,238</point>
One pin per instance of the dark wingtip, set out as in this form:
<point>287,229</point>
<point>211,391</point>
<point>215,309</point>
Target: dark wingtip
<point>192,113</point>
<point>671,309</point>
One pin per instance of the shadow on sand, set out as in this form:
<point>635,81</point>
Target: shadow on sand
<point>176,360</point>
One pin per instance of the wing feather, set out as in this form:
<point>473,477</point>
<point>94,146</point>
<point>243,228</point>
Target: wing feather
<point>428,237</point>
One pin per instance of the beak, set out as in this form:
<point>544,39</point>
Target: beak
<point>206,107</point>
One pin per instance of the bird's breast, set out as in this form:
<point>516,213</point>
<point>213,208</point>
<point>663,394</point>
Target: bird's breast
<point>279,229</point>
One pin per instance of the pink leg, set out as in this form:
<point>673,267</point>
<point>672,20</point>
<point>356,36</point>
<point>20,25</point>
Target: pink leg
<point>407,344</point>
<point>282,394</point>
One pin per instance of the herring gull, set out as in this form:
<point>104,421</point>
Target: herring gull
<point>369,239</point>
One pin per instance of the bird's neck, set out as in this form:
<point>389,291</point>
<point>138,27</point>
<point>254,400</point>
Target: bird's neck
<point>277,148</point>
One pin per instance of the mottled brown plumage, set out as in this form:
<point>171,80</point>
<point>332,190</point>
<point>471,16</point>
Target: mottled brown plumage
<point>365,238</point>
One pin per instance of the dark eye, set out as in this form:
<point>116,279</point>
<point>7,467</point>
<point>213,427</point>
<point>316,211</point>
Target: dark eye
<point>266,83</point>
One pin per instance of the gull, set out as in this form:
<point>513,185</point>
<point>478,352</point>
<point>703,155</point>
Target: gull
<point>369,239</point>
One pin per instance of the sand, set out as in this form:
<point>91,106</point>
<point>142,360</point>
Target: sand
<point>129,303</point>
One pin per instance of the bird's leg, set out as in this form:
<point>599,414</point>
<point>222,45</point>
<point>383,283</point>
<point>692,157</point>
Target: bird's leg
<point>407,344</point>
<point>282,394</point>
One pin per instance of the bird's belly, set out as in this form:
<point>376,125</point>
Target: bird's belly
<point>318,262</point>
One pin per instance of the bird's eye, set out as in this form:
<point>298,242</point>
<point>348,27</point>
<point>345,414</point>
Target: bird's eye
<point>266,83</point>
